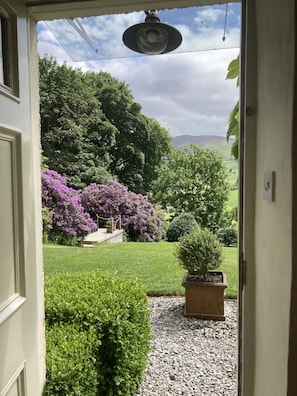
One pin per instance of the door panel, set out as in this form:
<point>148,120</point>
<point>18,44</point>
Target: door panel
<point>12,279</point>
<point>16,386</point>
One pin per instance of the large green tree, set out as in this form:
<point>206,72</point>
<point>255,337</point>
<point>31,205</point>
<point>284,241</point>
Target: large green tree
<point>141,142</point>
<point>233,126</point>
<point>92,129</point>
<point>76,137</point>
<point>194,181</point>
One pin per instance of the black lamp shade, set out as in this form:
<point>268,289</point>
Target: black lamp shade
<point>152,38</point>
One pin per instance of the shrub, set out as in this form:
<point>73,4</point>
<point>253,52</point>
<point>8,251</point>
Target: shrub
<point>68,222</point>
<point>199,252</point>
<point>229,218</point>
<point>181,225</point>
<point>70,362</point>
<point>116,311</point>
<point>139,218</point>
<point>228,236</point>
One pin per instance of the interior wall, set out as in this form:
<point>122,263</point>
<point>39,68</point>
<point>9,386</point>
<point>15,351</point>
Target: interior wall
<point>269,275</point>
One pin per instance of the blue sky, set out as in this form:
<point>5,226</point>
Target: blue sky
<point>186,90</point>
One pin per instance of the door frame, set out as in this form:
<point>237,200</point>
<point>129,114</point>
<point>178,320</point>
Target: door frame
<point>40,10</point>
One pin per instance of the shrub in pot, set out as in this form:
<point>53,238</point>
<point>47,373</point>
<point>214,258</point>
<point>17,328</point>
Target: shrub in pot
<point>200,253</point>
<point>109,226</point>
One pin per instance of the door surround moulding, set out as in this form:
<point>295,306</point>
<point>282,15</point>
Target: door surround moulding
<point>56,9</point>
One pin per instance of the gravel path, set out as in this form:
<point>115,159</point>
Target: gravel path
<point>190,357</point>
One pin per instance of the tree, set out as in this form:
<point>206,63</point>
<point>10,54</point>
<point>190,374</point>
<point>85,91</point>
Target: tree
<point>93,130</point>
<point>194,181</point>
<point>76,137</point>
<point>233,128</point>
<point>140,143</point>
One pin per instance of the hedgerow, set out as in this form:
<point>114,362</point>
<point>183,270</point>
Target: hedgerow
<point>110,317</point>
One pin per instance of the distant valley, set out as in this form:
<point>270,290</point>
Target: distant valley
<point>211,142</point>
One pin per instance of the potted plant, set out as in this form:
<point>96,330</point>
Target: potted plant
<point>109,226</point>
<point>200,253</point>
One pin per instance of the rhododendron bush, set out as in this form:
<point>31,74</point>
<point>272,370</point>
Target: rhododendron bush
<point>68,222</point>
<point>69,215</point>
<point>139,219</point>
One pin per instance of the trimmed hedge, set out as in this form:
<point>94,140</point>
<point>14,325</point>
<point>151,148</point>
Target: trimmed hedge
<point>181,225</point>
<point>70,361</point>
<point>98,334</point>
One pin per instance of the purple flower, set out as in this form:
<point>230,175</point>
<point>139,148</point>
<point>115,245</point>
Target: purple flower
<point>138,216</point>
<point>69,218</point>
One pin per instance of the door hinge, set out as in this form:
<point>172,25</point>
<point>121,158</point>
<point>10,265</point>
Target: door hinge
<point>243,273</point>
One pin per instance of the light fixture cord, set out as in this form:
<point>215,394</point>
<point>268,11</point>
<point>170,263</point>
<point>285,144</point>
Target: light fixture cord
<point>225,23</point>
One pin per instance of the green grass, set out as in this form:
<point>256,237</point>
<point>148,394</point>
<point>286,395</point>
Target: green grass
<point>230,267</point>
<point>233,199</point>
<point>152,264</point>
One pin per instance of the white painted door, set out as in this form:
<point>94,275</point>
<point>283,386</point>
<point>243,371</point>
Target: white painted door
<point>21,296</point>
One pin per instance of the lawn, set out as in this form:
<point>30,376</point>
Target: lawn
<point>233,199</point>
<point>152,264</point>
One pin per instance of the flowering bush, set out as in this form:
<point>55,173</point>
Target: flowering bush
<point>68,221</point>
<point>139,219</point>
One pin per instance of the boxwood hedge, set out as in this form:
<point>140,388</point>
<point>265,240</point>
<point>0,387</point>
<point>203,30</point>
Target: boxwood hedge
<point>98,334</point>
<point>71,368</point>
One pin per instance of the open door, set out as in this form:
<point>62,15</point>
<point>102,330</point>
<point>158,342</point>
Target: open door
<point>21,287</point>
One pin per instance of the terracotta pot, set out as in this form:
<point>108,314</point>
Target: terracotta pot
<point>109,229</point>
<point>205,299</point>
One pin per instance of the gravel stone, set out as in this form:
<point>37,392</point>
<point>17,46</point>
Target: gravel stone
<point>189,356</point>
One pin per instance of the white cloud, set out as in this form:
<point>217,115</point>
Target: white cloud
<point>208,15</point>
<point>186,93</point>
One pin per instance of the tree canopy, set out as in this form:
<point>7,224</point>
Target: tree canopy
<point>76,137</point>
<point>92,129</point>
<point>140,143</point>
<point>194,181</point>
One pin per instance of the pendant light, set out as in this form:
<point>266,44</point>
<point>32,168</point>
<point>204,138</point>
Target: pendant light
<point>152,37</point>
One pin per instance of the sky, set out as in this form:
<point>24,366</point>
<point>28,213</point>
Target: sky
<point>186,90</point>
